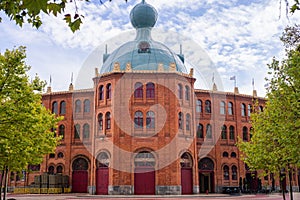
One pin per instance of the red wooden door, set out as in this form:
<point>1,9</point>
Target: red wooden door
<point>186,181</point>
<point>80,181</point>
<point>102,181</point>
<point>144,181</point>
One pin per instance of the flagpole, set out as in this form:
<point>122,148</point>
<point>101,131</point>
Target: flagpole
<point>234,81</point>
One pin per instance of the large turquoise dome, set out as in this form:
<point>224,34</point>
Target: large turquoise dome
<point>143,53</point>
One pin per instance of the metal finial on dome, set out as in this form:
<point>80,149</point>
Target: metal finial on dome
<point>143,1</point>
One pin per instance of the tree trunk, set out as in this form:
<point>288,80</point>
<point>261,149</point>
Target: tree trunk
<point>5,183</point>
<point>282,189</point>
<point>291,187</point>
<point>2,176</point>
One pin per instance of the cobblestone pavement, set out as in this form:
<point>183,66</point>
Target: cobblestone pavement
<point>185,197</point>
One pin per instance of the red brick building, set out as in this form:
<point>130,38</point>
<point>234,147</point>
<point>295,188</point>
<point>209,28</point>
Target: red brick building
<point>144,129</point>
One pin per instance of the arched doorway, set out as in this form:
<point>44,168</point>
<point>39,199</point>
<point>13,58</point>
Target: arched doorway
<point>206,175</point>
<point>102,173</point>
<point>80,175</point>
<point>186,163</point>
<point>144,173</point>
<point>251,181</point>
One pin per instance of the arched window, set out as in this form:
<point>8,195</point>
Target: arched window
<point>179,91</point>
<point>108,120</point>
<point>249,109</point>
<point>138,90</point>
<point>188,122</point>
<point>243,109</point>
<point>101,92</point>
<point>144,159</point>
<point>59,169</point>
<point>207,106</point>
<point>224,132</point>
<point>86,106</point>
<point>51,170</point>
<point>200,131</point>
<point>226,172</point>
<point>60,155</point>
<point>222,108</point>
<point>77,131</point>
<point>187,93</point>
<point>100,121</point>
<point>150,90</point>
<point>230,108</point>
<point>108,91</point>
<point>234,172</point>
<point>55,107</point>
<point>138,119</point>
<point>208,131</point>
<point>86,131</point>
<point>199,106</point>
<point>225,154</point>
<point>245,133</point>
<point>150,120</point>
<point>62,108</point>
<point>180,120</point>
<point>231,133</point>
<point>102,160</point>
<point>186,160</point>
<point>206,164</point>
<point>61,131</point>
<point>52,155</point>
<point>80,164</point>
<point>77,106</point>
<point>233,155</point>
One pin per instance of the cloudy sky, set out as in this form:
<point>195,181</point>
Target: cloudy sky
<point>239,36</point>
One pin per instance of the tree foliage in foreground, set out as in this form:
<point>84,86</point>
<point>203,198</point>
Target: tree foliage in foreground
<point>30,11</point>
<point>25,124</point>
<point>276,131</point>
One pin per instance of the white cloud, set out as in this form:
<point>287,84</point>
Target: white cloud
<point>240,37</point>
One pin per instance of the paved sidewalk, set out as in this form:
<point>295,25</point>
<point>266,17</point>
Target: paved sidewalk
<point>73,196</point>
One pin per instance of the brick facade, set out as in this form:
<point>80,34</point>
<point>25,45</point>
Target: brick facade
<point>122,141</point>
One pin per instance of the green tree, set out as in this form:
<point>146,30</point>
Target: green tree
<point>295,5</point>
<point>30,11</point>
<point>276,131</point>
<point>25,124</point>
